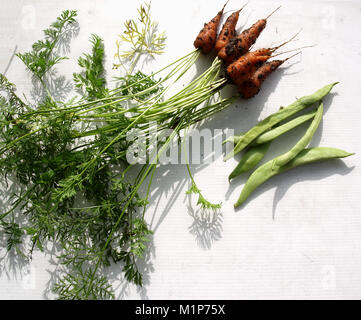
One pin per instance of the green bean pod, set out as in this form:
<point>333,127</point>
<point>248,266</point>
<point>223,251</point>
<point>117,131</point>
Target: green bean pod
<point>276,132</point>
<point>250,159</point>
<point>265,172</point>
<point>302,143</point>
<point>279,116</point>
<point>233,139</point>
<point>282,129</point>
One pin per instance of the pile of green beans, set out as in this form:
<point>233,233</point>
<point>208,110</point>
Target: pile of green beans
<point>259,138</point>
<point>279,116</point>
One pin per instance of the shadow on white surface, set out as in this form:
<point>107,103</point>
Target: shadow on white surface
<point>11,263</point>
<point>121,286</point>
<point>58,85</point>
<point>318,172</point>
<point>206,226</point>
<point>10,61</point>
<point>309,172</point>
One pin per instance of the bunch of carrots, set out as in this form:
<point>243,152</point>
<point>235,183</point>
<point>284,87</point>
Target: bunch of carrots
<point>244,68</point>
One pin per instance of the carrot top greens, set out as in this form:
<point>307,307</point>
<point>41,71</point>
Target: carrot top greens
<point>141,37</point>
<point>64,165</point>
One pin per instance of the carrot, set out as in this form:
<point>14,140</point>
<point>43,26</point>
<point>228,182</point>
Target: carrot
<point>252,86</point>
<point>240,70</point>
<point>206,38</point>
<point>228,30</point>
<point>240,44</point>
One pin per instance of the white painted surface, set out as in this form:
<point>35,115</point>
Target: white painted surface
<point>299,236</point>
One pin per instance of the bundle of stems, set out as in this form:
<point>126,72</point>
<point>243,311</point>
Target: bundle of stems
<point>68,160</point>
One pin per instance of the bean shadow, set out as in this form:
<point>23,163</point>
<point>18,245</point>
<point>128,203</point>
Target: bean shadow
<point>309,172</point>
<point>318,172</point>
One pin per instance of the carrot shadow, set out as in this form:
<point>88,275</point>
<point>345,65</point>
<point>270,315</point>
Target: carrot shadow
<point>243,113</point>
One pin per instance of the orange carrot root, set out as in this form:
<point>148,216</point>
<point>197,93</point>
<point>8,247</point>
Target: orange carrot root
<point>286,42</point>
<point>252,86</point>
<point>240,70</point>
<point>228,30</point>
<point>206,38</point>
<point>239,45</point>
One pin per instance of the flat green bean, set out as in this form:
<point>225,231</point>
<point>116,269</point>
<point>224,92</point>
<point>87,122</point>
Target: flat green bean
<point>279,116</point>
<point>250,159</point>
<point>233,139</point>
<point>280,130</point>
<point>302,143</point>
<point>265,172</point>
<point>276,132</point>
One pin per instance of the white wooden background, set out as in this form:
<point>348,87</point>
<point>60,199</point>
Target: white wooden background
<point>299,235</point>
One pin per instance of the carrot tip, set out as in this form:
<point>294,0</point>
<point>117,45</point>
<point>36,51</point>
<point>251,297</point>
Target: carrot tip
<point>292,56</point>
<point>273,12</point>
<point>239,10</point>
<point>288,51</point>
<point>289,40</point>
<point>244,5</point>
<point>225,5</point>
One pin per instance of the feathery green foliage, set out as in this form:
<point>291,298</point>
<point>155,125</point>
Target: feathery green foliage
<point>141,37</point>
<point>92,81</point>
<point>42,57</point>
<point>68,158</point>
